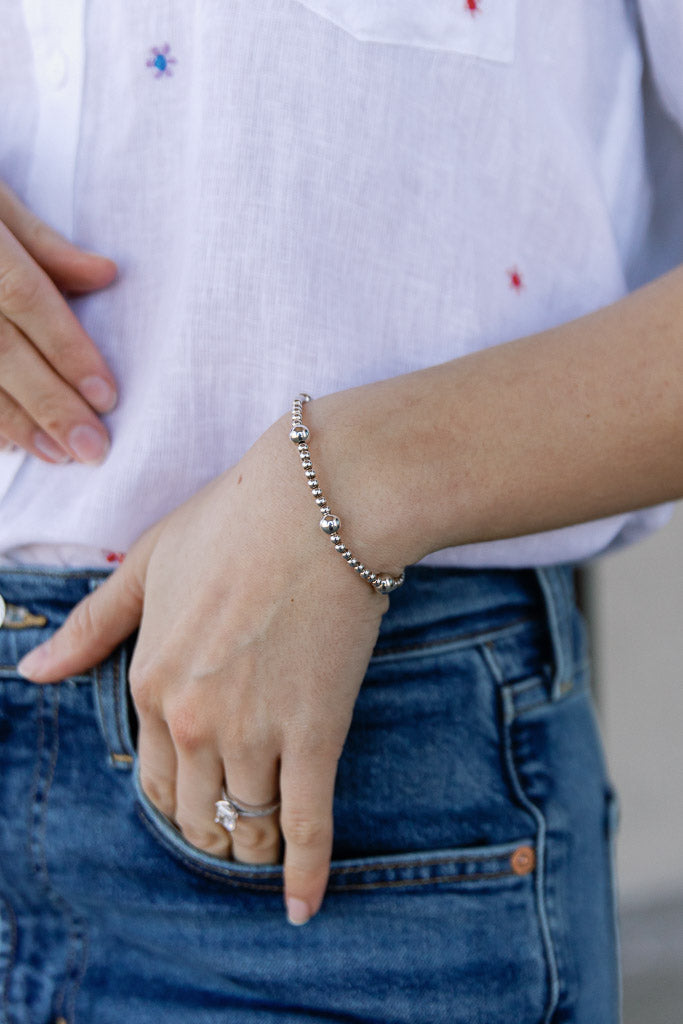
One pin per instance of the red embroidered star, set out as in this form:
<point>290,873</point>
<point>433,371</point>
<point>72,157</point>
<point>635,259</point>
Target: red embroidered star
<point>516,281</point>
<point>115,556</point>
<point>473,6</point>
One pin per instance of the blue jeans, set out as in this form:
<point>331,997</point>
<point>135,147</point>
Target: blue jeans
<point>471,881</point>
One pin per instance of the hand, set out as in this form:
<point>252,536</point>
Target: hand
<point>51,375</point>
<point>254,640</point>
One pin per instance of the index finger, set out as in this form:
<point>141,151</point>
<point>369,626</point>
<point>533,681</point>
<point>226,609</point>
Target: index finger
<point>307,792</point>
<point>71,268</point>
<point>30,300</point>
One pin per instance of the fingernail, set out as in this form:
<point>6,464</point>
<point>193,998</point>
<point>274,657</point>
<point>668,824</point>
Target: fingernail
<point>49,448</point>
<point>297,911</point>
<point>88,444</point>
<point>99,393</point>
<point>34,662</point>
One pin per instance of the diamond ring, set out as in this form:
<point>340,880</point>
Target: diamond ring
<point>229,810</point>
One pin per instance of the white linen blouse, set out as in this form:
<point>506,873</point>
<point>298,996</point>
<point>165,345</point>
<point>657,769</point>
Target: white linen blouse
<point>314,194</point>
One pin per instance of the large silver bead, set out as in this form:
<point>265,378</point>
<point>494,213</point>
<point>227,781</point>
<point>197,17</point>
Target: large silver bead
<point>329,524</point>
<point>299,433</point>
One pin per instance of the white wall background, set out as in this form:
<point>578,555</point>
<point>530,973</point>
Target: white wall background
<point>637,600</point>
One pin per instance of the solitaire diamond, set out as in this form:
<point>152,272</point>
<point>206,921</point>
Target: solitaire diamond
<point>226,815</point>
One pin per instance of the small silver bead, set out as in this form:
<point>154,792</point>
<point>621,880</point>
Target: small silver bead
<point>341,548</point>
<point>307,464</point>
<point>312,482</point>
<point>365,573</point>
<point>371,577</point>
<point>359,568</point>
<point>325,509</point>
<point>310,473</point>
<point>299,433</point>
<point>353,562</point>
<point>347,555</point>
<point>335,538</point>
<point>316,492</point>
<point>330,524</point>
<point>320,502</point>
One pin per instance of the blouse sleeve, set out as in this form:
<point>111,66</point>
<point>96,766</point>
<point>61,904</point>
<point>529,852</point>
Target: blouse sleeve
<point>662,25</point>
<point>662,35</point>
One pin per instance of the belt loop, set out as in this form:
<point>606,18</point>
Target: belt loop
<point>557,588</point>
<point>110,685</point>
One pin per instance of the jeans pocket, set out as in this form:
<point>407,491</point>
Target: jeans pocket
<point>476,28</point>
<point>428,937</point>
<point>494,866</point>
<point>422,797</point>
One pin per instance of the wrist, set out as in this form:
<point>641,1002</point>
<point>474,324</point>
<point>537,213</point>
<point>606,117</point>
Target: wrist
<point>357,450</point>
<point>329,521</point>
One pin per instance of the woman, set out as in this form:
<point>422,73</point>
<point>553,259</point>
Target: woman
<point>321,195</point>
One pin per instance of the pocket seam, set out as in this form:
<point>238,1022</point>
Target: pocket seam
<point>499,51</point>
<point>450,643</point>
<point>256,879</point>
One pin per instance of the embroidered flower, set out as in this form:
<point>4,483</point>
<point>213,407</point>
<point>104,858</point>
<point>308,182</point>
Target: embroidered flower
<point>160,60</point>
<point>516,281</point>
<point>473,6</point>
<point>115,556</point>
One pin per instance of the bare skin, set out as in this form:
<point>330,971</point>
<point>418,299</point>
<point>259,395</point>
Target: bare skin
<point>256,682</point>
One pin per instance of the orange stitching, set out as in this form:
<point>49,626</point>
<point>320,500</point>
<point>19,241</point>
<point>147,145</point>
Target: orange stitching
<point>421,881</point>
<point>432,862</point>
<point>245,883</point>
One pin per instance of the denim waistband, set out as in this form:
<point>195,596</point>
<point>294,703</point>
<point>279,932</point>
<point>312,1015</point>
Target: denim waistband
<point>37,601</point>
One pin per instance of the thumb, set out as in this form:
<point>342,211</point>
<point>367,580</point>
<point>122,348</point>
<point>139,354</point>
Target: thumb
<point>72,269</point>
<point>96,625</point>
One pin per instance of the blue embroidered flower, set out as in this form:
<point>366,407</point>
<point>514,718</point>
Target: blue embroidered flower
<point>161,61</point>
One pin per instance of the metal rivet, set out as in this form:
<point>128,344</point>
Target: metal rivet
<point>523,860</point>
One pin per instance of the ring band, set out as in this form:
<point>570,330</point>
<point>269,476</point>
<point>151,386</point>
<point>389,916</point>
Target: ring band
<point>229,810</point>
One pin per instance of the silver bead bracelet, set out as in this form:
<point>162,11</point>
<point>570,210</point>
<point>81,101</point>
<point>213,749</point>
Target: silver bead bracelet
<point>330,524</point>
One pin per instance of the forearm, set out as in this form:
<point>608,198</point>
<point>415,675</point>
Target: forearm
<point>575,423</point>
